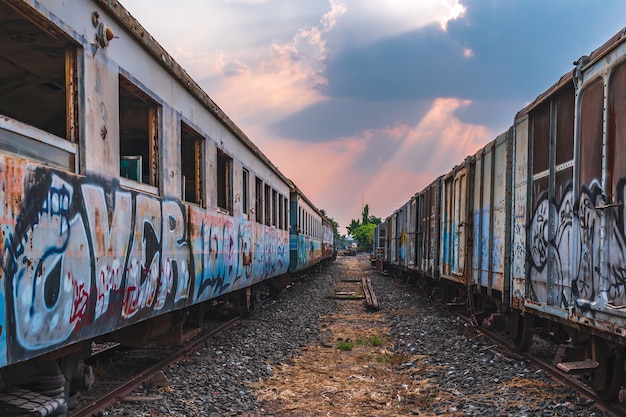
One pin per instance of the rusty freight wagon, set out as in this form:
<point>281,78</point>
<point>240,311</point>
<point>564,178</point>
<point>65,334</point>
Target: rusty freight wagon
<point>532,227</point>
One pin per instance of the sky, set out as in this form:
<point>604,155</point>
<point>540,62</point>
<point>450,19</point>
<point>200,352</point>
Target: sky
<point>368,101</point>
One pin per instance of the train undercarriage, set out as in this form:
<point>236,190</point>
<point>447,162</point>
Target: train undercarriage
<point>598,358</point>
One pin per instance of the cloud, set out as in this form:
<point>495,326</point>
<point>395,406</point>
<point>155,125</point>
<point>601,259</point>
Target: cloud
<point>369,21</point>
<point>394,162</point>
<point>327,120</point>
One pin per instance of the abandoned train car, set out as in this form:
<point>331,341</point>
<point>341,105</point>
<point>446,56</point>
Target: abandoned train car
<point>531,229</point>
<point>126,193</point>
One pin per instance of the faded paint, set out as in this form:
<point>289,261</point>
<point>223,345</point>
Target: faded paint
<point>83,257</point>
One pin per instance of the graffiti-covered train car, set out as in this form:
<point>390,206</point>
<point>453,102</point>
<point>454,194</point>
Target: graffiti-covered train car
<point>532,228</point>
<point>575,134</point>
<point>306,234</point>
<point>329,251</point>
<point>126,194</point>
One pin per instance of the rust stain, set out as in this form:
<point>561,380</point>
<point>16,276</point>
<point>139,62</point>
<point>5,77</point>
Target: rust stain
<point>98,229</point>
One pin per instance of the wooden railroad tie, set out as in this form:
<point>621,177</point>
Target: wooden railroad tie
<point>371,303</point>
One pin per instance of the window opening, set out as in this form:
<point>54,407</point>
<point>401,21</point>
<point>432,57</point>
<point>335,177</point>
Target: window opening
<point>245,190</point>
<point>281,212</point>
<point>274,208</point>
<point>286,213</point>
<point>259,200</point>
<point>224,182</point>
<point>191,157</point>
<point>138,135</point>
<point>39,84</point>
<point>268,205</point>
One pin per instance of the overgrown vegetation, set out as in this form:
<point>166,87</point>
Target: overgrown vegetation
<point>343,345</point>
<point>370,341</point>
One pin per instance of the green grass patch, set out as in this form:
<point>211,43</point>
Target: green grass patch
<point>345,346</point>
<point>370,341</point>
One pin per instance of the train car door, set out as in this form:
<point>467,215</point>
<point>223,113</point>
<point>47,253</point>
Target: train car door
<point>600,283</point>
<point>551,234</point>
<point>411,232</point>
<point>453,224</point>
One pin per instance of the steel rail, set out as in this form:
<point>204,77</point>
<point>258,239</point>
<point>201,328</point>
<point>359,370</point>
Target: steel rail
<point>554,373</point>
<point>126,388</point>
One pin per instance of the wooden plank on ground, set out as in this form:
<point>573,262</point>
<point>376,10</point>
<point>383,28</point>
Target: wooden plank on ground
<point>578,367</point>
<point>370,298</point>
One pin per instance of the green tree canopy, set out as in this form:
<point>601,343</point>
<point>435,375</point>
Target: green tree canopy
<point>354,224</point>
<point>364,235</point>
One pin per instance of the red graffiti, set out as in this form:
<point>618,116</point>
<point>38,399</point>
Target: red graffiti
<point>79,300</point>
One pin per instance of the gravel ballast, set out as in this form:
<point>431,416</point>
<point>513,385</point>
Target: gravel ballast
<point>459,372</point>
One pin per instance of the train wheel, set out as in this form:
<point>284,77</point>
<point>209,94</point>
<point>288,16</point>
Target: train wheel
<point>522,330</point>
<point>607,379</point>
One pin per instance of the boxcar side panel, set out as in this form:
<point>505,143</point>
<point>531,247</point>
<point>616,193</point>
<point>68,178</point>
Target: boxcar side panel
<point>518,247</point>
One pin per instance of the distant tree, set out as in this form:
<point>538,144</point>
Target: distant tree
<point>354,224</point>
<point>365,216</point>
<point>364,235</point>
<point>366,219</point>
<point>375,220</point>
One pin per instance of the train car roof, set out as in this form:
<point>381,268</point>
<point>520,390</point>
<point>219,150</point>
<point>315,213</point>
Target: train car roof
<point>596,55</point>
<point>295,189</point>
<point>149,43</point>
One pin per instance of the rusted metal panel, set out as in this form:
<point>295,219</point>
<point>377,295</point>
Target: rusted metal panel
<point>429,227</point>
<point>499,213</point>
<point>520,208</point>
<point>393,240</point>
<point>419,232</point>
<point>402,235</point>
<point>453,224</point>
<point>550,243</point>
<point>491,207</point>
<point>411,233</point>
<point>576,236</point>
<point>481,209</point>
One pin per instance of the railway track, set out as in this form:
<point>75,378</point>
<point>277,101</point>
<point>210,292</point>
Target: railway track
<point>113,394</point>
<point>508,349</point>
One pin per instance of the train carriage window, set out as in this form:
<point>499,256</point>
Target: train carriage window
<point>258,190</point>
<point>540,152</point>
<point>138,134</point>
<point>281,214</point>
<point>39,81</point>
<point>591,133</point>
<point>191,156</point>
<point>245,190</point>
<point>268,205</point>
<point>274,208</point>
<point>224,182</point>
<point>286,213</point>
<point>564,140</point>
<point>616,133</point>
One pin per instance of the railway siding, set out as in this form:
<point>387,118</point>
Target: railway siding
<point>293,357</point>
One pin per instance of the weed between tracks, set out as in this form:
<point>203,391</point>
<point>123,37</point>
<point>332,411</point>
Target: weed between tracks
<point>356,372</point>
<point>352,373</point>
